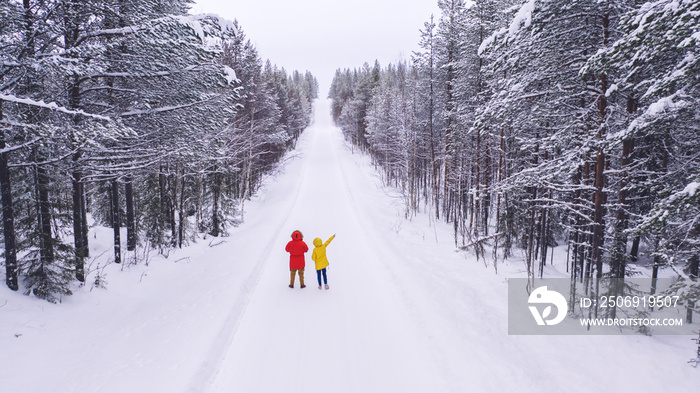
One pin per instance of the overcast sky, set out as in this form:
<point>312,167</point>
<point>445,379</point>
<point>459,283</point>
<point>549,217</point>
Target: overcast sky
<point>324,35</point>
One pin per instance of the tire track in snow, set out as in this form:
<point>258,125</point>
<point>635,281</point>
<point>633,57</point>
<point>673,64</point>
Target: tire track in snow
<point>409,309</point>
<point>209,370</point>
<point>426,322</point>
<point>380,255</point>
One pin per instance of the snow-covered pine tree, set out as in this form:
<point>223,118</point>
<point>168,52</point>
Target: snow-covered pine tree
<point>299,96</point>
<point>340,92</point>
<point>197,93</point>
<point>385,126</point>
<point>429,98</point>
<point>478,147</point>
<point>658,65</point>
<point>311,85</point>
<point>29,86</point>
<point>352,119</point>
<point>274,109</point>
<point>554,128</point>
<point>450,52</point>
<point>9,26</point>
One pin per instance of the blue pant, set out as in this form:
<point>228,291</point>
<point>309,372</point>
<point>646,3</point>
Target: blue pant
<point>318,275</point>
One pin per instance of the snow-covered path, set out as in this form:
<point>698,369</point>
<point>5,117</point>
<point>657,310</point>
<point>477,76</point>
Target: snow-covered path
<point>355,337</point>
<point>405,312</point>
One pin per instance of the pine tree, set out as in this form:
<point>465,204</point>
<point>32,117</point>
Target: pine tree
<point>657,85</point>
<point>428,102</point>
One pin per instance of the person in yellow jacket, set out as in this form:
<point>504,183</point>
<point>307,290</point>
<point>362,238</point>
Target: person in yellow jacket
<point>319,256</point>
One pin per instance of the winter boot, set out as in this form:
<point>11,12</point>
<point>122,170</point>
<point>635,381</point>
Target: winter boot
<point>291,279</point>
<point>301,278</point>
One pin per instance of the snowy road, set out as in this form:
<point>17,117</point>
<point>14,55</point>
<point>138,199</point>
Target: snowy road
<point>357,336</point>
<point>405,312</point>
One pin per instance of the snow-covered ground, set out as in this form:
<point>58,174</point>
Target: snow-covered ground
<point>405,312</point>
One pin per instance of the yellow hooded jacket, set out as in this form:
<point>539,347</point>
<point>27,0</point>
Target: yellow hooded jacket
<point>319,254</point>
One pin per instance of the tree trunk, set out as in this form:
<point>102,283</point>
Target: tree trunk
<point>531,239</point>
<point>116,222</point>
<point>586,238</point>
<point>216,190</point>
<point>619,249</point>
<point>161,189</point>
<point>200,195</point>
<point>171,209</point>
<point>599,194</point>
<point>163,195</point>
<point>131,236</point>
<point>486,192</point>
<point>634,251</point>
<point>83,209</point>
<point>575,237</point>
<point>11,274</point>
<point>78,227</point>
<point>44,216</point>
<point>476,210</point>
<point>655,272</point>
<point>544,236</point>
<point>693,263</point>
<point>693,270</point>
<point>182,216</point>
<point>498,201</point>
<point>46,246</point>
<point>533,225</point>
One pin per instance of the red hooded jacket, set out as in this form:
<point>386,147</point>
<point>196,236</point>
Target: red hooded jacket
<point>296,248</point>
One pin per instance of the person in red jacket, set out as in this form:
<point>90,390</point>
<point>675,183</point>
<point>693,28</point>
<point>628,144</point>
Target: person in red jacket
<point>296,249</point>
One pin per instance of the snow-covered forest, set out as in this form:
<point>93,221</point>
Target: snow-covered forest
<point>528,125</point>
<point>133,114</point>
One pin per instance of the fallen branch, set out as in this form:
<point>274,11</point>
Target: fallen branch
<point>478,245</point>
<point>480,241</point>
<point>212,244</point>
